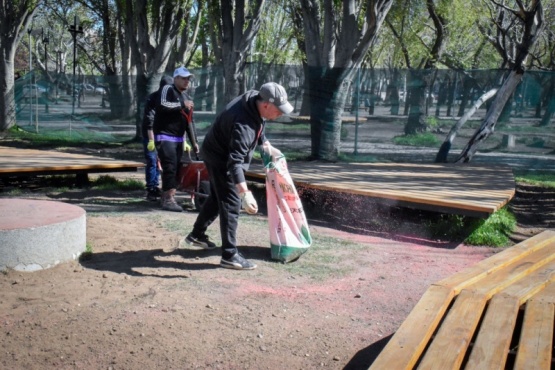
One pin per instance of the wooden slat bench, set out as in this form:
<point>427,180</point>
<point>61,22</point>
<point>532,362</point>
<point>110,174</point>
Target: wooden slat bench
<point>497,314</point>
<point>469,190</point>
<point>31,162</point>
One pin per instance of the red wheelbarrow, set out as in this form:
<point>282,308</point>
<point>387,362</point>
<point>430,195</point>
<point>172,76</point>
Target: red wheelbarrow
<point>193,179</point>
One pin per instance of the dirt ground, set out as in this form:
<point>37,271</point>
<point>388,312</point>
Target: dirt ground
<point>139,302</point>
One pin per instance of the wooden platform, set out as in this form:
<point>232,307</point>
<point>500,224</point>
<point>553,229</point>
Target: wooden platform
<point>471,190</point>
<point>17,162</point>
<point>497,314</point>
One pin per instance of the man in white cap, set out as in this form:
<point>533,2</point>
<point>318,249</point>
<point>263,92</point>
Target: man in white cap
<point>173,118</point>
<point>227,151</point>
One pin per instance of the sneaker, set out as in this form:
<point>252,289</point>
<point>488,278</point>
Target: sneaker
<point>202,241</point>
<point>156,191</point>
<point>171,206</point>
<point>237,262</point>
<point>152,196</point>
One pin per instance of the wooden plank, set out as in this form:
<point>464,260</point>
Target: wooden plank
<point>536,337</point>
<point>449,346</point>
<point>405,347</point>
<point>547,294</point>
<point>469,188</point>
<point>31,161</point>
<point>515,271</point>
<point>498,261</point>
<point>527,287</point>
<point>494,336</point>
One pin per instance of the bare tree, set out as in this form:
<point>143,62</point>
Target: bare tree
<point>517,30</point>
<point>152,29</point>
<point>15,17</point>
<point>336,39</point>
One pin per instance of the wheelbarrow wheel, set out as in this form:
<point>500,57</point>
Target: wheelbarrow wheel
<point>203,193</point>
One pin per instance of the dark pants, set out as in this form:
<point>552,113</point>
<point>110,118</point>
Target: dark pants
<point>170,154</point>
<point>152,174</point>
<point>224,201</point>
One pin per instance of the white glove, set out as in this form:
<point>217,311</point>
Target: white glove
<point>272,151</point>
<point>249,203</point>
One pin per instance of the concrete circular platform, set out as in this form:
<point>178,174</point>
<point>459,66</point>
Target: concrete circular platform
<point>38,234</point>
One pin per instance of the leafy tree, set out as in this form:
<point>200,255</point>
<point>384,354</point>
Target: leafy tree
<point>15,18</point>
<point>514,31</point>
<point>234,24</point>
<point>151,29</point>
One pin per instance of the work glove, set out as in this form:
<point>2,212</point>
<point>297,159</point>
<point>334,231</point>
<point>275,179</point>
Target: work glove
<point>249,203</point>
<point>272,151</point>
<point>186,147</point>
<point>150,146</point>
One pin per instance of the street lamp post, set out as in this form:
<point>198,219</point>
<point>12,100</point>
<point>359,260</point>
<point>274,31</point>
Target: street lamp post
<point>58,71</point>
<point>29,94</point>
<point>74,29</point>
<point>45,41</point>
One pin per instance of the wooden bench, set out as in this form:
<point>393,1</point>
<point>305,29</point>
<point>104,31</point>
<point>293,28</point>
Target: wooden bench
<point>497,314</point>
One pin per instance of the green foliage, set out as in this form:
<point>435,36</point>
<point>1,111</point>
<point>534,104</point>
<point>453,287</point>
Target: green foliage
<point>361,158</point>
<point>546,179</point>
<point>64,138</point>
<point>87,254</point>
<point>493,231</point>
<point>425,139</point>
<point>106,182</point>
<point>432,122</point>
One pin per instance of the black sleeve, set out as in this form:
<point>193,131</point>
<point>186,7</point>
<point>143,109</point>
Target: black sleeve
<point>169,101</point>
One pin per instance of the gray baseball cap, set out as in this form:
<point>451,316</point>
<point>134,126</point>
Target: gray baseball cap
<point>275,94</point>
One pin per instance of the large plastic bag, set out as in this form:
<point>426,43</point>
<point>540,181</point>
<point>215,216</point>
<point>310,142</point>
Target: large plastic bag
<point>289,233</point>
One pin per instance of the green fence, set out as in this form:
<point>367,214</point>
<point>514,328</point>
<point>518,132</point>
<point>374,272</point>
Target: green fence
<point>375,112</point>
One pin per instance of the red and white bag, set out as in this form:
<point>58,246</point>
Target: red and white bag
<point>289,233</point>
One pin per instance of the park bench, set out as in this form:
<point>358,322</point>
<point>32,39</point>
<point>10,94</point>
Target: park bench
<point>497,314</point>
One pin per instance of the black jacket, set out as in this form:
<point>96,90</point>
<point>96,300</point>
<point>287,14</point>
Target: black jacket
<point>170,114</point>
<point>235,133</point>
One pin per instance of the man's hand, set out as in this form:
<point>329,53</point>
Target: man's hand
<point>249,203</point>
<point>272,151</point>
<point>150,146</point>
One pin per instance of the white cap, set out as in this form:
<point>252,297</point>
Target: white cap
<point>182,72</point>
<point>275,94</point>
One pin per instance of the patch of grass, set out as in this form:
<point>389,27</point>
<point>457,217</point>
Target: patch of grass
<point>493,231</point>
<point>425,139</point>
<point>106,182</point>
<point>363,158</point>
<point>545,179</point>
<point>174,225</point>
<point>63,138</point>
<point>14,192</point>
<point>323,259</point>
<point>87,254</point>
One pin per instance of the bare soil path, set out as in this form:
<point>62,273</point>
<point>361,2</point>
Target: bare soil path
<point>140,303</point>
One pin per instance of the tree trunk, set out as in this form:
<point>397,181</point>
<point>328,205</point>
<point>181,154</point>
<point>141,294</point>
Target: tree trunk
<point>488,125</point>
<point>326,106</point>
<point>416,122</point>
<point>446,146</point>
<point>7,102</point>
<point>550,108</point>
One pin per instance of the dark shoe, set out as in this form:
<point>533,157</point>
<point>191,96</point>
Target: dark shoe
<point>156,191</point>
<point>237,262</point>
<point>202,241</point>
<point>152,196</point>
